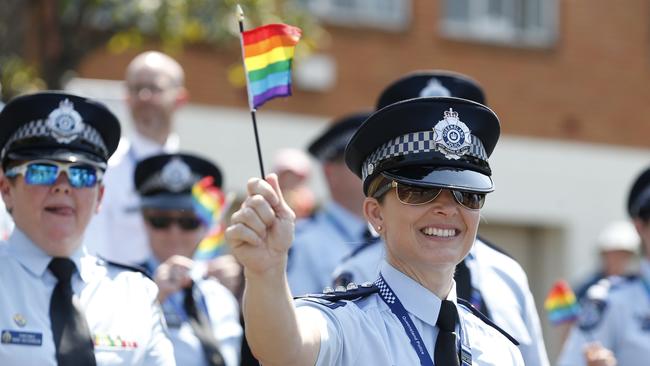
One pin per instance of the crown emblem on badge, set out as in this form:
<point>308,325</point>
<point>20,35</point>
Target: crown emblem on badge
<point>65,123</point>
<point>452,137</point>
<point>176,175</point>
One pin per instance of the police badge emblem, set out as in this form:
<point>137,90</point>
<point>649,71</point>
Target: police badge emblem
<point>20,320</point>
<point>64,123</point>
<point>451,136</point>
<point>6,337</point>
<point>176,175</point>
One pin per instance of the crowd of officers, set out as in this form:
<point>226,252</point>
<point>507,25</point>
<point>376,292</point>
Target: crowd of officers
<point>100,270</point>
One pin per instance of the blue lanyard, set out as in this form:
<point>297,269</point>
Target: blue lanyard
<point>395,305</point>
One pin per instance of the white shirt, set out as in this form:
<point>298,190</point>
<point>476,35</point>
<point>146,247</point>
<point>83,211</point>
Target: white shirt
<point>367,332</point>
<point>501,281</point>
<point>222,310</point>
<point>118,306</point>
<point>117,232</point>
<point>320,244</point>
<point>616,313</point>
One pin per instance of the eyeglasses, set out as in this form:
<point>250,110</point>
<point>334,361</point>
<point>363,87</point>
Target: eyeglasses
<point>161,222</point>
<point>415,196</point>
<point>46,172</point>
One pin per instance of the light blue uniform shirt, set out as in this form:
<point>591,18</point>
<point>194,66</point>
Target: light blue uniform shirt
<point>120,307</point>
<point>320,244</point>
<point>366,332</point>
<point>501,281</point>
<point>616,313</point>
<point>221,308</point>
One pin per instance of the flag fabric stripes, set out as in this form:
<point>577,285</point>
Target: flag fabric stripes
<point>268,54</point>
<point>560,304</point>
<point>209,202</point>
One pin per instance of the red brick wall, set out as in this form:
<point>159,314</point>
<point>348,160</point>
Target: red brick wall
<point>592,85</point>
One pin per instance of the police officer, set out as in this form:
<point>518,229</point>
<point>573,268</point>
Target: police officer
<point>614,320</point>
<point>202,315</point>
<point>337,229</point>
<point>491,280</point>
<point>60,305</point>
<point>423,164</point>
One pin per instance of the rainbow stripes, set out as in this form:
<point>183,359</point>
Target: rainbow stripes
<point>209,203</point>
<point>268,53</point>
<point>560,304</point>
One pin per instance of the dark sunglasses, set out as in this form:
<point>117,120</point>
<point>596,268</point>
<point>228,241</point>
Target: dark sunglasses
<point>46,172</point>
<point>160,222</point>
<point>414,195</point>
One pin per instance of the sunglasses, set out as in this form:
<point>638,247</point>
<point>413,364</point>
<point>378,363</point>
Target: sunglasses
<point>161,222</point>
<point>46,172</point>
<point>415,196</point>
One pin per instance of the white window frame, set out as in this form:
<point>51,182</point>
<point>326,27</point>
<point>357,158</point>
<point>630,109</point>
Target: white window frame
<point>483,27</point>
<point>363,13</point>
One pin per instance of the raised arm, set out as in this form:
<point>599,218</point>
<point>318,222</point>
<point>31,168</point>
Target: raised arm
<point>260,234</point>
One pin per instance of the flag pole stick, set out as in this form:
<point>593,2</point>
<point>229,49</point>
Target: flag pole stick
<point>240,17</point>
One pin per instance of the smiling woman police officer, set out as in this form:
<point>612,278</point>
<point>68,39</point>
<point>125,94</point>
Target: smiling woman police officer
<point>424,166</point>
<point>58,304</point>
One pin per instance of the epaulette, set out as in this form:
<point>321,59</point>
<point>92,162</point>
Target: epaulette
<point>494,246</point>
<point>333,297</point>
<point>486,320</point>
<point>124,266</point>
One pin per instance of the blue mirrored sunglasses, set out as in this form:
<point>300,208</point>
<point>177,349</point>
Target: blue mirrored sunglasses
<point>46,172</point>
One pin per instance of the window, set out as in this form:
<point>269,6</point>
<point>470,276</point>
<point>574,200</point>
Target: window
<point>385,14</point>
<point>514,22</point>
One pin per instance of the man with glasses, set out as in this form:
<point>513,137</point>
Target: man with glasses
<point>59,305</point>
<point>180,199</point>
<point>613,327</point>
<point>155,91</point>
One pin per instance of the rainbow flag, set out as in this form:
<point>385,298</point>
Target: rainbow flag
<point>209,202</point>
<point>268,52</point>
<point>560,304</point>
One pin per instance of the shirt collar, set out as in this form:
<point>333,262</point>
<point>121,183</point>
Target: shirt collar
<point>645,269</point>
<point>34,259</point>
<point>144,147</point>
<point>350,223</point>
<point>416,299</point>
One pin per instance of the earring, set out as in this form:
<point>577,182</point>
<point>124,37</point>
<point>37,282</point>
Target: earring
<point>378,228</point>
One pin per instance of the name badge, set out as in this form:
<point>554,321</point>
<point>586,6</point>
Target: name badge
<point>21,338</point>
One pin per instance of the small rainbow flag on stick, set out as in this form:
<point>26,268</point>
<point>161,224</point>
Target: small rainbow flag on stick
<point>209,204</point>
<point>560,304</point>
<point>268,53</point>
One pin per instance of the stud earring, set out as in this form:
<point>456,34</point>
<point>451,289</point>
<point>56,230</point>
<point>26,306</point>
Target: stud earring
<point>379,228</point>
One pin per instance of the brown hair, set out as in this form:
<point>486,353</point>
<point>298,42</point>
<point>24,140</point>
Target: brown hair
<point>376,183</point>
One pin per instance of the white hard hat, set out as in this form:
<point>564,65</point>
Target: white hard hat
<point>619,235</point>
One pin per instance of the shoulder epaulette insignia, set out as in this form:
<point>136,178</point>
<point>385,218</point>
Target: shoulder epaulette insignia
<point>486,320</point>
<point>350,292</point>
<point>124,266</point>
<point>591,313</point>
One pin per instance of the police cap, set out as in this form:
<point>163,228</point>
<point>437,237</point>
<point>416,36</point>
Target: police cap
<point>330,145</point>
<point>165,181</point>
<point>433,141</point>
<point>638,202</point>
<point>431,83</point>
<point>59,126</point>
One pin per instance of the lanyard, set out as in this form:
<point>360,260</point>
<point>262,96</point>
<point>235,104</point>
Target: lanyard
<point>395,305</point>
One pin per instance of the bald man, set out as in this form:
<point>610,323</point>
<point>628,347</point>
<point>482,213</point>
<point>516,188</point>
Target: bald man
<point>154,92</point>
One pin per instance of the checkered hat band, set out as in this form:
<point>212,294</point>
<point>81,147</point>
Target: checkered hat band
<point>414,143</point>
<point>39,128</point>
<point>156,182</point>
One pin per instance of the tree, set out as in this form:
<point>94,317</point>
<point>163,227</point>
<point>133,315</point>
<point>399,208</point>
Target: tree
<point>65,31</point>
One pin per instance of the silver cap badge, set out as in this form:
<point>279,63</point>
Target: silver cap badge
<point>451,136</point>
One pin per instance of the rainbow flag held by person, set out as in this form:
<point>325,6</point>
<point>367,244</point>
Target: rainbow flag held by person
<point>209,204</point>
<point>268,54</point>
<point>561,304</point>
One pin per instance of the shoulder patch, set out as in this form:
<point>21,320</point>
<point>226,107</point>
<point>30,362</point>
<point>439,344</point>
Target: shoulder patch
<point>351,292</point>
<point>486,320</point>
<point>124,267</point>
<point>591,313</point>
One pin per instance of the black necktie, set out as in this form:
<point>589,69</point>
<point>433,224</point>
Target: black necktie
<point>446,352</point>
<point>464,288</point>
<point>74,346</point>
<point>201,326</point>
